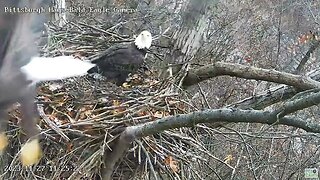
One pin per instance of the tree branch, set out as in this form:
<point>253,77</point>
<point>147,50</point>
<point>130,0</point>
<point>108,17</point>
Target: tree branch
<point>247,72</point>
<point>306,57</point>
<point>213,116</point>
<point>272,96</point>
<point>266,98</point>
<point>300,101</point>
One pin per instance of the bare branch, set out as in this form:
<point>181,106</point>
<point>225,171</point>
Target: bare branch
<point>247,72</point>
<point>271,96</point>
<point>306,57</point>
<point>299,103</point>
<point>265,99</point>
<point>212,116</point>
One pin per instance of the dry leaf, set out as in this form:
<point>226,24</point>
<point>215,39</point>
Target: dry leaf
<point>116,102</point>
<point>173,164</point>
<point>69,147</point>
<point>158,114</point>
<point>172,102</point>
<point>228,159</point>
<point>126,85</point>
<point>148,73</point>
<point>117,110</point>
<point>143,113</point>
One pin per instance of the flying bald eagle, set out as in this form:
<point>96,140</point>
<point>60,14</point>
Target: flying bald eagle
<point>117,62</point>
<point>17,47</point>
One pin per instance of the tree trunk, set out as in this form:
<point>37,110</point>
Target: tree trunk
<point>59,14</point>
<point>188,39</point>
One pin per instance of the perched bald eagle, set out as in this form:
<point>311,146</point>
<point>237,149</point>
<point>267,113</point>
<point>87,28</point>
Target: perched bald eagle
<point>117,62</point>
<point>17,47</point>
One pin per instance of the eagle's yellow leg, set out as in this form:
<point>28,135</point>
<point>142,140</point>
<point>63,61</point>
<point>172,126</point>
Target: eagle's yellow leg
<point>31,153</point>
<point>3,142</point>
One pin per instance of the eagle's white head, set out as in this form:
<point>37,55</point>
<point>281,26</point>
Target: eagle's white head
<point>143,40</point>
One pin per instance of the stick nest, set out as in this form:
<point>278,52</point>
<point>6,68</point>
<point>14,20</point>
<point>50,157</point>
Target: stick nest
<point>81,118</point>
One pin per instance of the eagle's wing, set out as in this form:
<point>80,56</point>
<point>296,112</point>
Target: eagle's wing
<point>22,32</point>
<point>118,61</point>
<point>17,47</point>
<point>109,52</point>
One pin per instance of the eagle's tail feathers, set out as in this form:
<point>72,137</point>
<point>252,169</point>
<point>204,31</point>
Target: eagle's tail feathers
<point>47,68</point>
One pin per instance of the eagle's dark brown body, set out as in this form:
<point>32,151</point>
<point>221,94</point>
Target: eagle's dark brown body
<point>118,62</point>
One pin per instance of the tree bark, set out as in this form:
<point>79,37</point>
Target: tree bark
<point>248,72</point>
<point>60,12</point>
<point>189,37</point>
<point>225,115</point>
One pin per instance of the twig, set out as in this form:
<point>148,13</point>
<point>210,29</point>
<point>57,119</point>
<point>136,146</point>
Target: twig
<point>51,124</point>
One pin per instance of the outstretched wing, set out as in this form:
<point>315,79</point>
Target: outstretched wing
<point>17,37</point>
<point>21,28</point>
<point>17,46</point>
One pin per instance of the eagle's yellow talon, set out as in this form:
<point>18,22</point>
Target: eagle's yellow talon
<point>3,142</point>
<point>31,153</point>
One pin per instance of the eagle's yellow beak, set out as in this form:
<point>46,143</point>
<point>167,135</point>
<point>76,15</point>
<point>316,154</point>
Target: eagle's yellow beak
<point>3,142</point>
<point>31,153</point>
